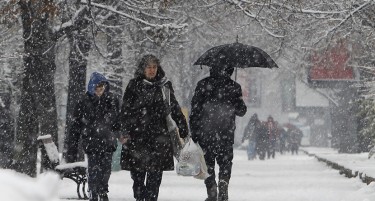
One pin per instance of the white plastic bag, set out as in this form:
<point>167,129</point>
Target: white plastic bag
<point>191,161</point>
<point>203,174</point>
<point>244,145</point>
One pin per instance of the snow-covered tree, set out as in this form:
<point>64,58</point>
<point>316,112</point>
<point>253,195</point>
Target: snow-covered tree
<point>366,127</point>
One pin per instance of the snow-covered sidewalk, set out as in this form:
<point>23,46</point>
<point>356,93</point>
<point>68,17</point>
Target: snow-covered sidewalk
<point>286,178</point>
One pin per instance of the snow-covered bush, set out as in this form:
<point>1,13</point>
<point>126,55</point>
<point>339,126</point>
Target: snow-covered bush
<point>366,124</point>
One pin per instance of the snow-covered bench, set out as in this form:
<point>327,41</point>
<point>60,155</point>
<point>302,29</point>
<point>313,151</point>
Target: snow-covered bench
<point>75,171</point>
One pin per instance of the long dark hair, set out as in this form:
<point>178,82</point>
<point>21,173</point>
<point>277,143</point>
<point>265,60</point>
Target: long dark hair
<point>143,62</point>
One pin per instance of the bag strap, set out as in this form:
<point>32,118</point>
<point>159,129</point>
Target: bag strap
<point>166,94</point>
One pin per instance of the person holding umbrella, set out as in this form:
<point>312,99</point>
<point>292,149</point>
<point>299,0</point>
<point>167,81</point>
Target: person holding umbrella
<point>216,103</point>
<point>272,136</point>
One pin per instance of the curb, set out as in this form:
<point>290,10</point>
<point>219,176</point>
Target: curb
<point>343,170</point>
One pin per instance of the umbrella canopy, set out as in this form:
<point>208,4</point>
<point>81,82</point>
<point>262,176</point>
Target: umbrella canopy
<point>236,55</point>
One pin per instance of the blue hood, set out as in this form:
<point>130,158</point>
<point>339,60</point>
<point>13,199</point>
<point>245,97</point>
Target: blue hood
<point>95,79</point>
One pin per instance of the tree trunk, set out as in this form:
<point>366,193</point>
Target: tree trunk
<point>79,49</point>
<point>6,129</point>
<point>114,72</point>
<point>37,113</point>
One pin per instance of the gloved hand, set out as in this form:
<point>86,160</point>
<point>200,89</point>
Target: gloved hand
<point>185,140</point>
<point>124,139</point>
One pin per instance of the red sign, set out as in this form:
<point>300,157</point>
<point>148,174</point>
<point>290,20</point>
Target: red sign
<point>332,64</point>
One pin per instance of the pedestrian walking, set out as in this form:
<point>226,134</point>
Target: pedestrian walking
<point>216,103</point>
<point>94,120</point>
<point>283,139</point>
<point>251,135</point>
<point>295,139</point>
<point>272,136</point>
<point>262,139</point>
<point>147,150</point>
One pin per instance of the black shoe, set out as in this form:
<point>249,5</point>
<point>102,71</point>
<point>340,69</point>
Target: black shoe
<point>103,197</point>
<point>93,196</point>
<point>210,199</point>
<point>223,190</point>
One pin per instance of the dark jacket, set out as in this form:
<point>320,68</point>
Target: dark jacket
<point>143,118</point>
<point>94,121</point>
<point>216,103</point>
<point>295,135</point>
<point>250,128</point>
<point>261,136</point>
<point>272,130</point>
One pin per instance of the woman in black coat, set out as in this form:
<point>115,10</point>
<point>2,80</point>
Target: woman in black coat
<point>147,150</point>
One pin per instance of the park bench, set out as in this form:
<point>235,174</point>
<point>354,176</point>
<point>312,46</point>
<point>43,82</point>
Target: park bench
<point>75,171</point>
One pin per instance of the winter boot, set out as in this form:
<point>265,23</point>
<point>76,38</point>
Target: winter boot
<point>103,197</point>
<point>212,193</point>
<point>223,190</point>
<point>93,196</point>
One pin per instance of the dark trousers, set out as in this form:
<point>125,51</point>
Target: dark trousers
<point>294,148</point>
<point>271,148</point>
<point>222,152</point>
<point>282,146</point>
<point>99,171</point>
<point>262,147</point>
<point>148,191</point>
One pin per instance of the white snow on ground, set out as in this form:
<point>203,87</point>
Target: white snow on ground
<point>356,162</point>
<point>286,178</point>
<point>18,187</point>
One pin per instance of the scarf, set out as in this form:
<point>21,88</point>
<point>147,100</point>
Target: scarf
<point>160,82</point>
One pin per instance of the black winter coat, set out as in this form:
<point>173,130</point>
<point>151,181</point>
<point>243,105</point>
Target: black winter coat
<point>94,121</point>
<point>143,118</point>
<point>216,103</point>
<point>262,138</point>
<point>249,132</point>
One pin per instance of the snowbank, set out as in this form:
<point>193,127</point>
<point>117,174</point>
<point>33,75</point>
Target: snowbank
<point>19,187</point>
<point>357,164</point>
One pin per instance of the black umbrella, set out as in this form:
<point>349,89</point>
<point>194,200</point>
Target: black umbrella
<point>236,55</point>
